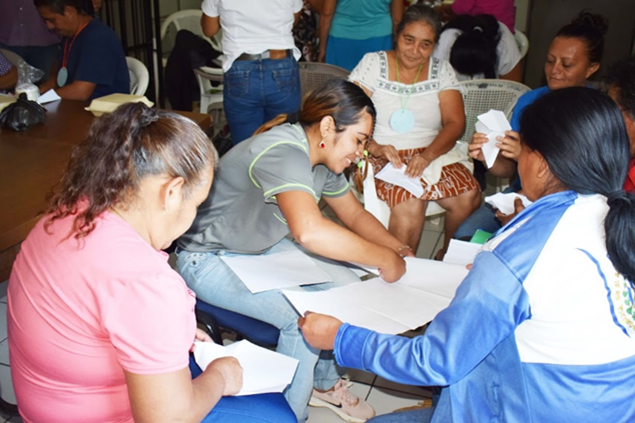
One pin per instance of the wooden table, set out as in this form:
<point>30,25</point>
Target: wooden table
<point>32,162</point>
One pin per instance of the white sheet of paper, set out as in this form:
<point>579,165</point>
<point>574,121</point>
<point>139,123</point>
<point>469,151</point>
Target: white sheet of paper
<point>461,252</point>
<point>397,176</point>
<point>493,124</point>
<point>273,271</point>
<point>48,97</point>
<point>427,288</point>
<point>263,370</point>
<point>505,202</point>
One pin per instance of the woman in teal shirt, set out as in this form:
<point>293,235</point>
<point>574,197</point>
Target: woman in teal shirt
<point>356,27</point>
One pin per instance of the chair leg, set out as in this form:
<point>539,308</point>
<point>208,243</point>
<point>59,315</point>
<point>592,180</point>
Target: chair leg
<point>211,326</point>
<point>7,408</point>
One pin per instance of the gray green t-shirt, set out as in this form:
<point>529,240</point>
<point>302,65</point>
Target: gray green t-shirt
<point>241,213</point>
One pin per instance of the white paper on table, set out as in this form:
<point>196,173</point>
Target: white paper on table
<point>461,252</point>
<point>493,124</point>
<point>273,271</point>
<point>427,288</point>
<point>505,202</point>
<point>397,176</point>
<point>48,97</point>
<point>263,370</point>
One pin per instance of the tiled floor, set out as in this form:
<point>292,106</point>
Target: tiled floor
<point>383,395</point>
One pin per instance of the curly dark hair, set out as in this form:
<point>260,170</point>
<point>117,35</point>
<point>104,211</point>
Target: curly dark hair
<point>120,150</point>
<point>591,28</point>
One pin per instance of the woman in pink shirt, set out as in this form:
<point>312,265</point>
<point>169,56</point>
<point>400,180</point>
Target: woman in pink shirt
<point>503,10</point>
<point>99,324</point>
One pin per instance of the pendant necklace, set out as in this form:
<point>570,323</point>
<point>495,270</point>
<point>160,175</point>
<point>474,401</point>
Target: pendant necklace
<point>402,120</point>
<point>62,75</point>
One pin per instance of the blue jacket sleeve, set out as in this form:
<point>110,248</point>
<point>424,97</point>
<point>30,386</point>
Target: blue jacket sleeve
<point>489,304</point>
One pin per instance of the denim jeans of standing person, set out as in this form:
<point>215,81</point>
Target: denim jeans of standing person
<point>256,91</point>
<point>483,218</point>
<point>215,283</point>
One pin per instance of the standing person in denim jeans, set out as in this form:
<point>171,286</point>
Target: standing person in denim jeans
<point>262,77</point>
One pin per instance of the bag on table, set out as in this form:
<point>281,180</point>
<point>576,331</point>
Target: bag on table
<point>22,114</point>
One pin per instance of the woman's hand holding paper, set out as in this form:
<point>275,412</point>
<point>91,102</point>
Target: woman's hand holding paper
<point>509,145</point>
<point>475,147</point>
<point>228,370</point>
<point>387,152</point>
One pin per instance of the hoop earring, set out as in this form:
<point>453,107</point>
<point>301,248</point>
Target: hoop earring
<point>321,144</point>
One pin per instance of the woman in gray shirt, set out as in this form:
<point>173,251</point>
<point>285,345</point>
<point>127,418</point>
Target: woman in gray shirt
<point>269,186</point>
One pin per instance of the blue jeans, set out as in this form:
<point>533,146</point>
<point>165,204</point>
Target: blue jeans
<point>264,408</point>
<point>256,91</point>
<point>215,283</point>
<point>36,56</point>
<point>483,218</point>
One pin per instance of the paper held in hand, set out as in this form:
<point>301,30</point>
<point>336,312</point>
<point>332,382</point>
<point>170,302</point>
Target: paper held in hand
<point>427,288</point>
<point>505,202</point>
<point>397,176</point>
<point>263,370</point>
<point>263,272</point>
<point>493,124</point>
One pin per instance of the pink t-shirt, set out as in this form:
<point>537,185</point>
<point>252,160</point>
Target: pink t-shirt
<point>503,10</point>
<point>80,312</point>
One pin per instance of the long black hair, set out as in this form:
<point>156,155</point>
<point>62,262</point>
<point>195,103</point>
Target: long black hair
<point>474,51</point>
<point>581,134</point>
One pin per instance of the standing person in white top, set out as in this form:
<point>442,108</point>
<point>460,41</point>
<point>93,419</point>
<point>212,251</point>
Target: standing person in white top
<point>262,78</point>
<point>479,47</point>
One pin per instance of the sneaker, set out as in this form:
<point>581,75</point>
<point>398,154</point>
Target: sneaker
<point>346,405</point>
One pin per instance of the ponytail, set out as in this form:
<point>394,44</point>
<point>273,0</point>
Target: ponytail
<point>580,132</point>
<point>619,226</point>
<point>344,101</point>
<point>475,49</point>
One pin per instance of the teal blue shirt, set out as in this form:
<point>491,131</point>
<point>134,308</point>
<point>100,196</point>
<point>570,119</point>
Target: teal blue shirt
<point>361,19</point>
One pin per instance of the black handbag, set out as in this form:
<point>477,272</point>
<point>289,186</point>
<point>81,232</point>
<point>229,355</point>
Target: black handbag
<point>22,114</point>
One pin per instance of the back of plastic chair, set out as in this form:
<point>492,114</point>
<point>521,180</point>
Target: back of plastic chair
<point>313,75</point>
<point>481,95</point>
<point>523,43</point>
<point>12,57</point>
<point>139,76</point>
<point>190,20</point>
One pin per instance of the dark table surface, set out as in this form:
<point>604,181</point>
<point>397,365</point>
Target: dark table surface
<point>33,161</point>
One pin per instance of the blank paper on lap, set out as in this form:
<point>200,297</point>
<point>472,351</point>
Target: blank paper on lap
<point>397,176</point>
<point>264,370</point>
<point>427,288</point>
<point>273,271</point>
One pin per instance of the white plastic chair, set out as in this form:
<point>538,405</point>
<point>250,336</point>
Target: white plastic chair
<point>12,57</point>
<point>523,43</point>
<point>481,95</point>
<point>314,74</point>
<point>190,20</point>
<point>139,76</point>
<point>211,97</point>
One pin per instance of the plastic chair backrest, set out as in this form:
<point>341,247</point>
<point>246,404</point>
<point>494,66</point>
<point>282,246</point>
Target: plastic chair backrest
<point>190,20</point>
<point>12,57</point>
<point>523,43</point>
<point>139,76</point>
<point>481,95</point>
<point>209,95</point>
<point>313,75</point>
